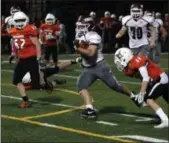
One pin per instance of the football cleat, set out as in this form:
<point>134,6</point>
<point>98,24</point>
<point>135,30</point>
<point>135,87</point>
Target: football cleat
<point>24,104</point>
<point>48,86</point>
<point>89,114</point>
<point>164,124</point>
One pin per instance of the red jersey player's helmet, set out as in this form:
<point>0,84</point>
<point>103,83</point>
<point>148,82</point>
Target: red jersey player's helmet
<point>20,20</point>
<point>122,57</point>
<point>50,19</point>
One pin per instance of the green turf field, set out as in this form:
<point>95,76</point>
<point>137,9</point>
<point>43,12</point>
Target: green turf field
<point>55,117</point>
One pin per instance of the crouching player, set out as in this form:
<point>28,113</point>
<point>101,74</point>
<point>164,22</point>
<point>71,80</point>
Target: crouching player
<point>154,80</point>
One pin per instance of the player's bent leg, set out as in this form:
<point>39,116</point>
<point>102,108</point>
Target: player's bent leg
<point>19,73</point>
<point>159,112</point>
<point>84,81</point>
<point>144,50</point>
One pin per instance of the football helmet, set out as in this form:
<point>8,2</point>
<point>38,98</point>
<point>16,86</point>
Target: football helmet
<point>50,19</point>
<point>92,14</point>
<point>20,20</point>
<point>136,11</point>
<point>26,78</point>
<point>14,9</point>
<point>113,16</point>
<point>107,14</point>
<point>120,18</point>
<point>158,15</point>
<point>122,57</point>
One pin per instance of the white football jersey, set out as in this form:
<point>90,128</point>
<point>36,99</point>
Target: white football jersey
<point>137,30</point>
<point>92,38</point>
<point>81,29</point>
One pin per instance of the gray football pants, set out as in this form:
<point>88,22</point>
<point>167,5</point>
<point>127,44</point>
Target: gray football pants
<point>103,72</point>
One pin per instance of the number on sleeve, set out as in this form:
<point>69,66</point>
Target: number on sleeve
<point>19,43</point>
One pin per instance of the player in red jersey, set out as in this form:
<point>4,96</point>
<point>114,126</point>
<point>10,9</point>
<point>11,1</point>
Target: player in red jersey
<point>154,80</point>
<point>25,37</point>
<point>49,33</point>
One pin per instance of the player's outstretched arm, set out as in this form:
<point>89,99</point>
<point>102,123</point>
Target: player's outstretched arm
<point>153,37</point>
<point>121,32</point>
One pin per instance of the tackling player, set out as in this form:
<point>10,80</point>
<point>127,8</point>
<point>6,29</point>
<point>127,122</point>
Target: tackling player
<point>94,67</point>
<point>137,25</point>
<point>154,80</point>
<point>49,34</point>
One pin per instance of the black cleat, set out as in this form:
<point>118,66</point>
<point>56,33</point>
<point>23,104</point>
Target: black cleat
<point>89,114</point>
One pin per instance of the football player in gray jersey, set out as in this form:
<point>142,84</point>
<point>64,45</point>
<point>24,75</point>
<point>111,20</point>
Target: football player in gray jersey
<point>94,67</point>
<point>137,25</point>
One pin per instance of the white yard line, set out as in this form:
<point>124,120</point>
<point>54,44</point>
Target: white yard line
<point>75,77</point>
<point>143,138</point>
<point>37,101</point>
<point>107,123</point>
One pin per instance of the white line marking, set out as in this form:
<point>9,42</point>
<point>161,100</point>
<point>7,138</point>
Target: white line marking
<point>143,138</point>
<point>107,123</point>
<point>37,101</point>
<point>139,118</point>
<point>75,77</point>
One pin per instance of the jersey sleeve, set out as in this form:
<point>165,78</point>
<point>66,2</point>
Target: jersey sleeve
<point>125,20</point>
<point>138,62</point>
<point>33,31</point>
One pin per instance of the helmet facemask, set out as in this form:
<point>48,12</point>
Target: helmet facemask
<point>20,23</point>
<point>136,13</point>
<point>50,21</point>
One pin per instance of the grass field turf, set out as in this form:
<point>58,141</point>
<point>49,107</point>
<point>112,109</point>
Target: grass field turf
<point>55,117</point>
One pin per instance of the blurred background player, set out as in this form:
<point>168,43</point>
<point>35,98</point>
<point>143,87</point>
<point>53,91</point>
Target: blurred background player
<point>161,35</point>
<point>49,34</point>
<point>137,25</point>
<point>7,26</point>
<point>106,24</point>
<point>154,80</point>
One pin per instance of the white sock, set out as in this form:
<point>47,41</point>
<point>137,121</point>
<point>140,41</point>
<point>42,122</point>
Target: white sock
<point>89,106</point>
<point>161,114</point>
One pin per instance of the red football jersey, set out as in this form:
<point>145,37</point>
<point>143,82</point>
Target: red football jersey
<point>22,41</point>
<point>107,22</point>
<point>138,61</point>
<point>47,30</point>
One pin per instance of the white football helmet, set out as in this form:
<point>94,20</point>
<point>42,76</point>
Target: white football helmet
<point>136,11</point>
<point>120,18</point>
<point>122,57</point>
<point>107,14</point>
<point>158,15</point>
<point>20,20</point>
<point>26,78</point>
<point>50,19</point>
<point>113,16</point>
<point>92,14</point>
